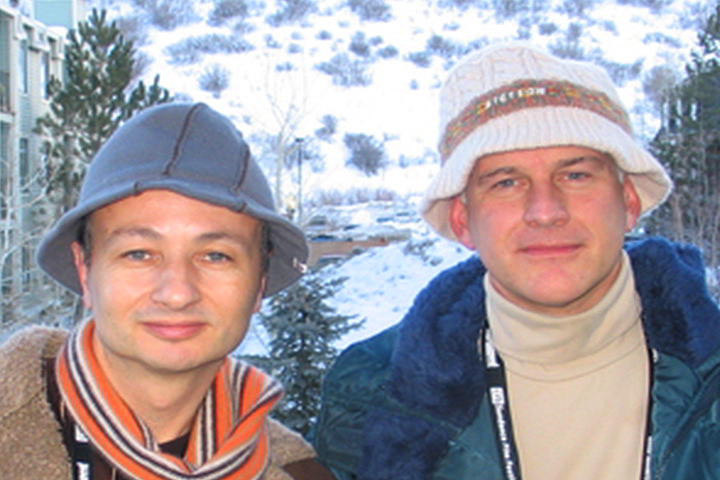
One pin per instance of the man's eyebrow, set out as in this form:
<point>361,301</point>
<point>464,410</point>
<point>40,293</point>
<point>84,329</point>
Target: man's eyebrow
<point>495,172</point>
<point>150,234</point>
<point>221,235</point>
<point>591,159</point>
<point>566,162</point>
<point>142,232</point>
<point>246,242</point>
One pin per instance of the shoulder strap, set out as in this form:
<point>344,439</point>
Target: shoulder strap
<point>76,443</point>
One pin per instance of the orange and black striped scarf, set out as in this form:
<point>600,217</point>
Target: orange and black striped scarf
<point>229,438</point>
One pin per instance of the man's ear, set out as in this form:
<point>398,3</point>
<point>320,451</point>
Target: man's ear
<point>633,204</point>
<point>459,221</point>
<point>260,294</point>
<point>82,269</point>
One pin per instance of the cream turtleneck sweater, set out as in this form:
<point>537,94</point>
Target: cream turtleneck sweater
<point>578,385</point>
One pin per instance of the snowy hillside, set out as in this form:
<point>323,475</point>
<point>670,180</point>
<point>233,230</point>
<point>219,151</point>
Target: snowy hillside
<point>275,84</point>
<point>284,78</point>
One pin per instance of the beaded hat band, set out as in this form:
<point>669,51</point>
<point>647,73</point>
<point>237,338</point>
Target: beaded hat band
<point>528,94</point>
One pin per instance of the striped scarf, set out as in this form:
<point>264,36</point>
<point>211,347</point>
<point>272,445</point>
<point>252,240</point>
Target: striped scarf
<point>229,438</point>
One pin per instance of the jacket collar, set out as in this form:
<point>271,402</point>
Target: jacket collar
<point>436,370</point>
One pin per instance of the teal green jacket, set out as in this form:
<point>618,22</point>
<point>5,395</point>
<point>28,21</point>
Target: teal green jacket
<point>410,402</point>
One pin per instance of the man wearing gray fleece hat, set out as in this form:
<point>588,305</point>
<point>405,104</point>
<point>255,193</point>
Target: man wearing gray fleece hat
<point>173,244</point>
<point>557,351</point>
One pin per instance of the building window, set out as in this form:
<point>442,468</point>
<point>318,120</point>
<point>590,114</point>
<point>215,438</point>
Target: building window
<point>45,75</point>
<point>23,162</point>
<point>23,66</point>
<point>4,157</point>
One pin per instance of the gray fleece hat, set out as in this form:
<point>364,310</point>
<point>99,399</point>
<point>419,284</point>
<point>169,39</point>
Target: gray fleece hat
<point>188,149</point>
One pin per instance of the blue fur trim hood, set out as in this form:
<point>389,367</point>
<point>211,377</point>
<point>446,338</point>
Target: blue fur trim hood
<point>436,373</point>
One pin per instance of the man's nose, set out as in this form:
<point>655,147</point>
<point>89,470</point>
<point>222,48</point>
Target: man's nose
<point>176,284</point>
<point>545,206</point>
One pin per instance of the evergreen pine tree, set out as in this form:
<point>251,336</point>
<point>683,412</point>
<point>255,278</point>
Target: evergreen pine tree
<point>92,102</point>
<point>85,109</point>
<point>302,327</point>
<point>689,146</point>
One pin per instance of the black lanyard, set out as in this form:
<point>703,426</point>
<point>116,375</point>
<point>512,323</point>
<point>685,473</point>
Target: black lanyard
<point>81,455</point>
<point>500,410</point>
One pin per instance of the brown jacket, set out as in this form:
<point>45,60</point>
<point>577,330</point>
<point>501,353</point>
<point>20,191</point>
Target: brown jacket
<point>31,445</point>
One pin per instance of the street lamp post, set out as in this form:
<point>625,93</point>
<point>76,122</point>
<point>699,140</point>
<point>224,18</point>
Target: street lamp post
<point>299,143</point>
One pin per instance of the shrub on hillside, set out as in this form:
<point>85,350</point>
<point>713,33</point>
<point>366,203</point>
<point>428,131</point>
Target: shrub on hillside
<point>215,79</point>
<point>577,8</point>
<point>371,10</point>
<point>566,49</point>
<point>569,47</point>
<point>658,37</point>
<point>346,72</point>
<point>284,67</point>
<point>366,153</point>
<point>323,35</point>
<point>242,27</point>
<point>133,28</point>
<point>420,248</point>
<point>388,52</point>
<point>328,129</point>
<point>359,46</point>
<point>621,73</point>
<point>291,11</point>
<point>461,4</point>
<point>505,9</point>
<point>656,6</point>
<point>169,14</point>
<point>421,59</point>
<point>224,10</point>
<point>190,50</point>
<point>270,41</point>
<point>438,45</point>
<point>524,30</point>
<point>609,26</point>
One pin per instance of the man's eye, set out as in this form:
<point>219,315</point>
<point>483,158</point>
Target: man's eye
<point>137,255</point>
<point>578,175</point>
<point>505,183</point>
<point>217,257</point>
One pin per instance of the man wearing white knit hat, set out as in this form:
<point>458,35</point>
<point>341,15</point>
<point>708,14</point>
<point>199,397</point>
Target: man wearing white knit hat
<point>559,351</point>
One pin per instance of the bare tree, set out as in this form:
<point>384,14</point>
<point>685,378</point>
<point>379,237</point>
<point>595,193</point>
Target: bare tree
<point>24,215</point>
<point>282,109</point>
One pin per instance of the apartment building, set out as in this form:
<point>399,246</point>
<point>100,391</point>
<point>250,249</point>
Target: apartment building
<point>31,52</point>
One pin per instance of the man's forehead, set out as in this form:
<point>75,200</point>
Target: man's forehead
<point>555,157</point>
<point>134,208</point>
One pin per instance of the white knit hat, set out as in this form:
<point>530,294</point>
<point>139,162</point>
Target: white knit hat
<point>514,96</point>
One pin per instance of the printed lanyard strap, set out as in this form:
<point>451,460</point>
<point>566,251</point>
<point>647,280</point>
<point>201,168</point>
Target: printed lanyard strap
<point>500,411</point>
<point>81,455</point>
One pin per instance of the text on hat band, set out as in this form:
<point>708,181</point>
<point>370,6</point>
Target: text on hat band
<point>523,94</point>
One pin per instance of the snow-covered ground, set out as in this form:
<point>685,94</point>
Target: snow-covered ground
<point>381,283</point>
